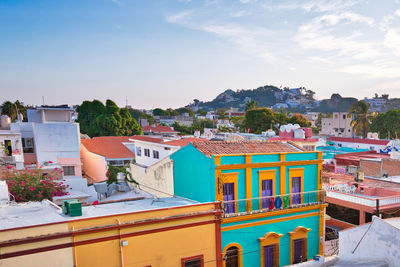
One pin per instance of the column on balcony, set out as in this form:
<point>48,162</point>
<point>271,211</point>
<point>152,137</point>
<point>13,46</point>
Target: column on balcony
<point>362,217</point>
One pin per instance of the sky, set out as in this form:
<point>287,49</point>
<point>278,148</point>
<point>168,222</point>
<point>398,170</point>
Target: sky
<point>165,53</point>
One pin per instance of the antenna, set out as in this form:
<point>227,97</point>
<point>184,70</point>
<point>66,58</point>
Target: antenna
<point>43,99</point>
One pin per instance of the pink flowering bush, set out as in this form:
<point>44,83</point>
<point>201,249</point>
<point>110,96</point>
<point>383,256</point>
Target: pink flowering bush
<point>31,185</point>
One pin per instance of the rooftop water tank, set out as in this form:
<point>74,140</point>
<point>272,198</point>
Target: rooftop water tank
<point>5,122</point>
<point>308,132</point>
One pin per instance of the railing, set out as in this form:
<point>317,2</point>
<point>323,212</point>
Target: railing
<point>272,203</point>
<point>362,200</point>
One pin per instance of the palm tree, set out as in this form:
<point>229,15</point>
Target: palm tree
<point>362,117</point>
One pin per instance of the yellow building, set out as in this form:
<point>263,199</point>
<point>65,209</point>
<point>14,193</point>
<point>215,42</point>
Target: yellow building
<point>146,232</point>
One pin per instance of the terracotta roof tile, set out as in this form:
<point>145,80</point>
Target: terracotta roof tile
<point>184,141</point>
<point>224,147</point>
<point>147,138</point>
<point>109,146</point>
<point>359,140</point>
<point>158,129</point>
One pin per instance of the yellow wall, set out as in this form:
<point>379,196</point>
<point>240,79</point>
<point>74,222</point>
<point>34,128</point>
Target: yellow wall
<point>60,257</point>
<point>164,248</point>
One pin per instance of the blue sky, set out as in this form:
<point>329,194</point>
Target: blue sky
<point>165,53</point>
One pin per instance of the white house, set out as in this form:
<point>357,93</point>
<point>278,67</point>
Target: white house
<point>359,143</point>
<point>338,125</point>
<point>375,242</point>
<point>51,136</point>
<point>11,152</point>
<point>153,169</point>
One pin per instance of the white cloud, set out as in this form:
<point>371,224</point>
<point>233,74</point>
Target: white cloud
<point>317,5</point>
<point>392,40</point>
<point>372,71</point>
<point>117,2</point>
<point>179,18</point>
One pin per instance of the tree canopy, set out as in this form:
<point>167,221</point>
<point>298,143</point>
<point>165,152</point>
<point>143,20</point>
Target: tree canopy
<point>362,118</point>
<point>97,119</point>
<point>261,119</point>
<point>387,124</point>
<point>10,109</point>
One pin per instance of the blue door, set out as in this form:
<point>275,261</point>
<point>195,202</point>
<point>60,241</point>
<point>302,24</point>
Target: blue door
<point>269,256</point>
<point>266,191</point>
<point>296,188</point>
<point>229,194</point>
<point>298,245</point>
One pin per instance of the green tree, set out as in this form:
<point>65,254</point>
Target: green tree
<point>259,119</point>
<point>387,124</point>
<point>202,112</point>
<point>182,129</point>
<point>251,105</point>
<point>160,112</point>
<point>362,117</point>
<point>300,120</point>
<point>10,109</point>
<point>97,119</point>
<point>137,115</point>
<point>181,111</point>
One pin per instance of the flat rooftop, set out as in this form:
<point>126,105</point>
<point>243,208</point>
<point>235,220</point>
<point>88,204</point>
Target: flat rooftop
<point>339,178</point>
<point>35,213</point>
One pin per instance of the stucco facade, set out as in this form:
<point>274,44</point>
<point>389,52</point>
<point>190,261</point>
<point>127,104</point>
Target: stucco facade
<point>250,228</point>
<point>338,125</point>
<point>156,179</point>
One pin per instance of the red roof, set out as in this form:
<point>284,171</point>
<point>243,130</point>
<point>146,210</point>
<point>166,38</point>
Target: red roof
<point>354,158</point>
<point>359,140</point>
<point>110,147</point>
<point>147,138</point>
<point>225,147</point>
<point>158,129</point>
<point>184,141</point>
<point>311,140</point>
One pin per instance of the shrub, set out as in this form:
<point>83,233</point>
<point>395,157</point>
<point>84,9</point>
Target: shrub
<point>31,185</point>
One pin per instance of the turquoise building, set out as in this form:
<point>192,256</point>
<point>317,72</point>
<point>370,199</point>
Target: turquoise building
<point>270,193</point>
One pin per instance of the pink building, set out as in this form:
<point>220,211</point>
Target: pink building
<point>367,196</point>
<point>299,136</point>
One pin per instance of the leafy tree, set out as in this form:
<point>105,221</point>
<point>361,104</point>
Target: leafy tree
<point>300,120</point>
<point>172,112</point>
<point>182,129</point>
<point>362,117</point>
<point>97,119</point>
<point>10,109</point>
<point>181,111</point>
<point>259,119</point>
<point>387,124</point>
<point>137,115</point>
<point>160,112</point>
<point>202,112</point>
<point>251,105</point>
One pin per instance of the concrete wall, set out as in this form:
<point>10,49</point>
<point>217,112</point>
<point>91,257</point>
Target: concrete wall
<point>148,161</point>
<point>155,178</point>
<point>16,147</point>
<point>328,125</point>
<point>158,246</point>
<point>381,242</point>
<point>61,257</point>
<point>93,165</point>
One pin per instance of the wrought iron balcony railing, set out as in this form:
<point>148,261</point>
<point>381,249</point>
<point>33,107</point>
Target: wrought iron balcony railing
<point>272,203</point>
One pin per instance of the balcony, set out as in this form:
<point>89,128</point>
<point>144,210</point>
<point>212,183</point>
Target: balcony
<point>249,206</point>
<point>346,196</point>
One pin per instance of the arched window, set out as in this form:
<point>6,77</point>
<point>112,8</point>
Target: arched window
<point>298,244</point>
<point>232,255</point>
<point>269,249</point>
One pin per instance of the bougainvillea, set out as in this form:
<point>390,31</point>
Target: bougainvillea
<point>31,185</point>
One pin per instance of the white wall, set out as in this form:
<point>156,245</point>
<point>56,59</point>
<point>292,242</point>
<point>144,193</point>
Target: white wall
<point>155,179</point>
<point>148,161</point>
<point>359,145</point>
<point>16,146</point>
<point>328,125</point>
<point>381,242</point>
